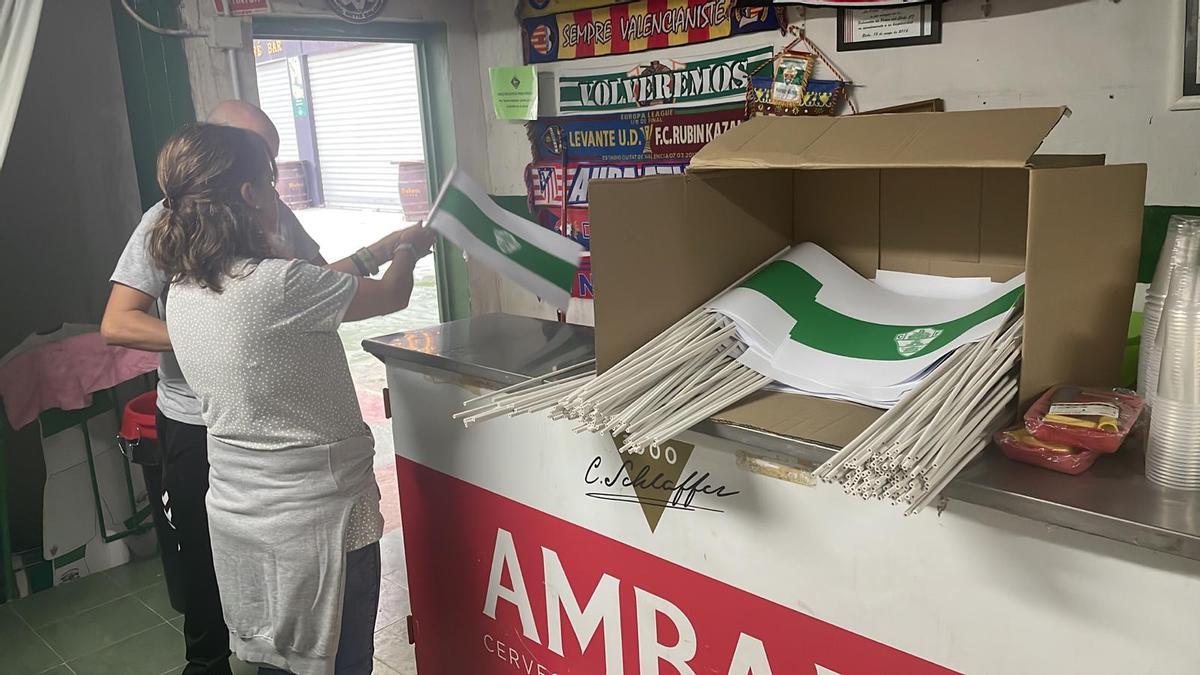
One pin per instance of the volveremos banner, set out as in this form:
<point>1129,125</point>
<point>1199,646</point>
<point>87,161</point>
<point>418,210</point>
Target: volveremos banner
<point>638,26</point>
<point>704,79</point>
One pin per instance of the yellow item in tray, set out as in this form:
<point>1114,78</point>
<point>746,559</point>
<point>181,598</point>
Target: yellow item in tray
<point>1108,424</point>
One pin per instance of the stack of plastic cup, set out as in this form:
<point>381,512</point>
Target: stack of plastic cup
<point>1173,448</point>
<point>1180,248</point>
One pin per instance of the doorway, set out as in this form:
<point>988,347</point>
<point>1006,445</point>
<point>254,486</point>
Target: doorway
<point>370,140</point>
<point>352,168</point>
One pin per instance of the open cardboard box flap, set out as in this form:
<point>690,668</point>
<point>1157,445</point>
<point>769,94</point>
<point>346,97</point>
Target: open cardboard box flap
<point>976,138</point>
<point>957,194</point>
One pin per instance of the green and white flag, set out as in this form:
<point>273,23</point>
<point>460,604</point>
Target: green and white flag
<point>539,259</point>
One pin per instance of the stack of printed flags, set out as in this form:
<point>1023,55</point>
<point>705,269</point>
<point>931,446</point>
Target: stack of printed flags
<point>817,327</point>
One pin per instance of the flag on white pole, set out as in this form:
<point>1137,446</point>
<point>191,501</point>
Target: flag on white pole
<point>539,259</point>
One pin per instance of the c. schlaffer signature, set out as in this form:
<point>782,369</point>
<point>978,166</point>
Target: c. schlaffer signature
<point>679,495</point>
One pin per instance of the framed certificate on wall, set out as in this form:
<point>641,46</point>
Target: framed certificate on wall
<point>1185,76</point>
<point>883,27</point>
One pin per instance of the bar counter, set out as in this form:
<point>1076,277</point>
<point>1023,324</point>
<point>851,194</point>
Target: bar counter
<point>1112,500</point>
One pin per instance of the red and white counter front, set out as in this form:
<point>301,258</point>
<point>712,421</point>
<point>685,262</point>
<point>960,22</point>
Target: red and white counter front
<point>532,549</point>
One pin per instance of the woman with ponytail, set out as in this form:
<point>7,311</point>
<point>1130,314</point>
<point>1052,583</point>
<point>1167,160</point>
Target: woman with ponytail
<point>293,507</point>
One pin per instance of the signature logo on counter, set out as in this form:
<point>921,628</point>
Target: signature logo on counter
<point>658,481</point>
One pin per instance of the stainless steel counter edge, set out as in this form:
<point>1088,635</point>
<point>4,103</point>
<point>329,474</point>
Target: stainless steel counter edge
<point>1113,500</point>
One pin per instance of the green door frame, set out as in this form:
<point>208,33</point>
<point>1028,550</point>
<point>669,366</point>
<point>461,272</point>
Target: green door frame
<point>158,94</point>
<point>433,66</point>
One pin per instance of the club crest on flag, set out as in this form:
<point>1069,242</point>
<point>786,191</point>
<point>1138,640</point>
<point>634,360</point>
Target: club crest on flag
<point>915,341</point>
<point>553,139</point>
<point>541,39</point>
<point>507,243</point>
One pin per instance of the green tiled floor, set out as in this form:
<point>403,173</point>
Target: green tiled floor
<point>120,622</point>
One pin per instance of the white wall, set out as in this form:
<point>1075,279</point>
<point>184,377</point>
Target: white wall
<point>1108,61</point>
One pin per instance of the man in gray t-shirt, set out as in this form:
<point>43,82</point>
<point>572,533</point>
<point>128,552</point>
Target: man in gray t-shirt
<point>135,271</point>
<point>133,318</point>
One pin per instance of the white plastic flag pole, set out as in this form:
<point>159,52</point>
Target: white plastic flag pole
<point>882,423</point>
<point>645,432</point>
<point>530,382</point>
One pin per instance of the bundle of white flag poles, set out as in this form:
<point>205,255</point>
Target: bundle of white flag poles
<point>919,445</point>
<point>937,353</point>
<point>539,259</point>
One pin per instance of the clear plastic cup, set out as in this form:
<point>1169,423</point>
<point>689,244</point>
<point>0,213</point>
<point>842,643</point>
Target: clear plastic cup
<point>1181,248</point>
<point>1173,444</point>
<point>1148,352</point>
<point>1175,338</point>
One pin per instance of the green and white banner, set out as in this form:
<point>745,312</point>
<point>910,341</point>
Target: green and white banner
<point>815,325</point>
<point>541,260</point>
<point>667,83</point>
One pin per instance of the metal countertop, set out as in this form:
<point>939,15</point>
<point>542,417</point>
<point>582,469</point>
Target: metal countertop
<point>1112,500</point>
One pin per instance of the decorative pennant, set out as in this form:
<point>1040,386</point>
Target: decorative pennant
<point>638,26</point>
<point>821,97</point>
<point>784,86</point>
<point>791,77</point>
<point>704,79</point>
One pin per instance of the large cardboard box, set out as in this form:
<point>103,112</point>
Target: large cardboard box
<point>959,194</point>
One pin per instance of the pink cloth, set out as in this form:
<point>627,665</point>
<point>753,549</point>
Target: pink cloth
<point>64,374</point>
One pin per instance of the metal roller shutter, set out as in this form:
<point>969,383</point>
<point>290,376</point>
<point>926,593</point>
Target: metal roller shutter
<point>275,97</point>
<point>366,108</point>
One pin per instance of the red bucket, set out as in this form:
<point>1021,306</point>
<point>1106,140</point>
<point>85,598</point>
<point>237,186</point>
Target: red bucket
<point>139,422</point>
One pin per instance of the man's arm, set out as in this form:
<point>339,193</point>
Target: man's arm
<point>376,297</point>
<point>127,323</point>
<point>306,248</point>
<point>381,250</point>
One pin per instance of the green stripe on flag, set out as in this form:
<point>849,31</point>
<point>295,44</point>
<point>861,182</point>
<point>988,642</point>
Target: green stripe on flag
<point>794,290</point>
<point>555,270</point>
